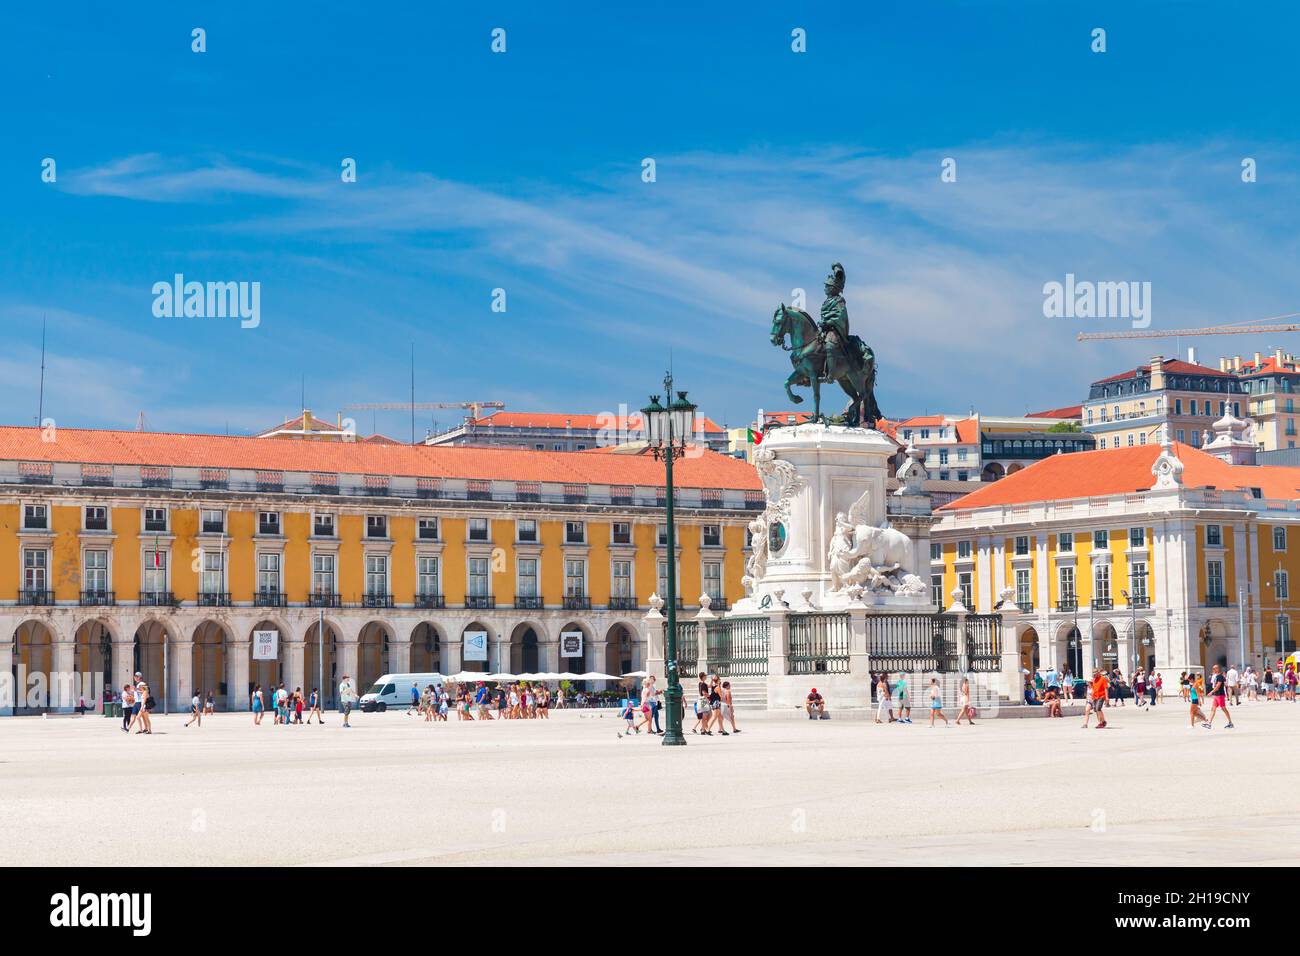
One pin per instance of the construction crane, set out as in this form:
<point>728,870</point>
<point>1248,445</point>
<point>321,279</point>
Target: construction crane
<point>1240,328</point>
<point>421,406</point>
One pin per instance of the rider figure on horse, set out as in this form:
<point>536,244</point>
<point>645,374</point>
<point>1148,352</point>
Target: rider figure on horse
<point>835,318</point>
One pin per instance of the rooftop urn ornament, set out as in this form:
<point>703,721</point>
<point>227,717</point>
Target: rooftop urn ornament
<point>824,351</point>
<point>1167,468</point>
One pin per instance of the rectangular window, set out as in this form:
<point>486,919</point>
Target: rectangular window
<point>96,518</point>
<point>479,583</point>
<point>1065,541</point>
<point>478,529</point>
<point>1214,579</point>
<point>1213,535</point>
<point>427,575</point>
<point>212,521</point>
<point>322,574</point>
<point>1181,434</point>
<point>622,579</point>
<point>1024,594</point>
<point>377,575</point>
<point>527,573</point>
<point>575,532</point>
<point>213,577</point>
<point>153,580</point>
<point>663,535</point>
<point>936,551</point>
<point>1101,583</point>
<point>1100,540</point>
<point>268,573</point>
<point>1022,546</point>
<point>1279,538</point>
<point>663,579</point>
<point>95,571</point>
<point>964,582</point>
<point>1103,443</point>
<point>712,535</point>
<point>963,549</point>
<point>936,590</point>
<point>575,578</point>
<point>376,526</point>
<point>527,529</point>
<point>1178,406</point>
<point>155,519</point>
<point>1137,537</point>
<point>1282,585</point>
<point>943,456</point>
<point>268,522</point>
<point>35,518</point>
<point>1066,578</point>
<point>1137,576</point>
<point>36,569</point>
<point>713,580</point>
<point>323,525</point>
<point>621,532</point>
<point>427,529</point>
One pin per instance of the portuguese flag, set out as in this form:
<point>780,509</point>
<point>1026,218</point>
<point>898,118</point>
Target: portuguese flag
<point>755,438</point>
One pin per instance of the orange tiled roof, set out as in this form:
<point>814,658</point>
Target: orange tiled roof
<point>1177,366</point>
<point>1088,474</point>
<point>579,422</point>
<point>968,430</point>
<point>1068,411</point>
<point>706,470</point>
<point>1269,366</point>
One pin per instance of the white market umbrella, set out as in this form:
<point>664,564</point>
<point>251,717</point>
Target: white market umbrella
<point>529,676</point>
<point>596,675</point>
<point>465,676</point>
<point>501,677</point>
<point>637,674</point>
<point>569,675</point>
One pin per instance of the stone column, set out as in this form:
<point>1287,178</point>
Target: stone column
<point>346,652</point>
<point>1011,654</point>
<point>8,689</point>
<point>180,675</point>
<point>237,675</point>
<point>778,652</point>
<point>451,651</point>
<point>399,655</point>
<point>859,661</point>
<point>654,634</point>
<point>63,676</point>
<point>123,669</point>
<point>499,655</point>
<point>295,663</point>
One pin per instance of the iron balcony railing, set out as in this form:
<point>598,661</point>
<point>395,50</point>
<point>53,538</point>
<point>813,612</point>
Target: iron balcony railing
<point>371,599</point>
<point>96,598</point>
<point>1102,604</point>
<point>524,603</point>
<point>430,601</point>
<point>322,599</point>
<point>157,598</point>
<point>33,597</point>
<point>268,527</point>
<point>1140,603</point>
<point>214,599</point>
<point>622,604</point>
<point>1067,604</point>
<point>265,597</point>
<point>480,601</point>
<point>577,602</point>
<point>1216,600</point>
<point>717,604</point>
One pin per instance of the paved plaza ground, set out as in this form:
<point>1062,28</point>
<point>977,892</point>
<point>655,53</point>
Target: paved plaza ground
<point>395,790</point>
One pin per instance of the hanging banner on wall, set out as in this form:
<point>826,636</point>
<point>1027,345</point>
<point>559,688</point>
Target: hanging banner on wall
<point>266,645</point>
<point>571,643</point>
<point>476,646</point>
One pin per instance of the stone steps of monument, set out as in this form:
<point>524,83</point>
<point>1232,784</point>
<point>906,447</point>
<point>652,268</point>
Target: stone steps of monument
<point>749,693</point>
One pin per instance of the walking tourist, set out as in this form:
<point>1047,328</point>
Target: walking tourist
<point>255,704</point>
<point>128,706</point>
<point>1234,685</point>
<point>1097,700</point>
<point>884,702</point>
<point>347,697</point>
<point>1218,698</point>
<point>902,700</point>
<point>196,710</point>
<point>715,703</point>
<point>313,706</point>
<point>936,702</point>
<point>1194,697</point>
<point>728,706</point>
<point>144,704</point>
<point>964,706</point>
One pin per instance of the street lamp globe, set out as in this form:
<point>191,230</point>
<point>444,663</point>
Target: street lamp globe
<point>683,417</point>
<point>656,422</point>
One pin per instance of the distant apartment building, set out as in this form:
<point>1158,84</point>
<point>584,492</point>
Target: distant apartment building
<point>1129,409</point>
<point>563,431</point>
<point>1272,383</point>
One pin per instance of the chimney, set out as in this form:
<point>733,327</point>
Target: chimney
<point>1223,364</point>
<point>1157,372</point>
<point>1236,363</point>
<point>1191,355</point>
<point>1277,356</point>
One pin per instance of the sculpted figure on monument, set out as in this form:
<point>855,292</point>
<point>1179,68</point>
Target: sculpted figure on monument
<point>825,351</point>
<point>865,555</point>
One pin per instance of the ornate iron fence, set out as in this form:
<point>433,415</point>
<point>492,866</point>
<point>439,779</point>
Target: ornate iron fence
<point>738,646</point>
<point>688,651</point>
<point>819,644</point>
<point>984,642</point>
<point>912,642</point>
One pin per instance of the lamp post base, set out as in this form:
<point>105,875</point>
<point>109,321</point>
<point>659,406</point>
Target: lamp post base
<point>673,736</point>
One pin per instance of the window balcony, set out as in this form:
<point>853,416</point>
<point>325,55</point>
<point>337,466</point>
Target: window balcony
<point>322,599</point>
<point>98,598</point>
<point>213,527</point>
<point>481,601</point>
<point>375,599</point>
<point>430,601</point>
<point>622,604</point>
<point>1216,600</point>
<point>1140,603</point>
<point>717,604</point>
<point>157,599</point>
<point>265,597</point>
<point>271,528</point>
<point>35,597</point>
<point>577,602</point>
<point>529,603</point>
<point>323,530</point>
<point>1102,604</point>
<point>214,599</point>
<point>1067,604</point>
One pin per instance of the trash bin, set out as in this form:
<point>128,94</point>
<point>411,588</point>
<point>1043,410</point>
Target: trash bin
<point>113,708</point>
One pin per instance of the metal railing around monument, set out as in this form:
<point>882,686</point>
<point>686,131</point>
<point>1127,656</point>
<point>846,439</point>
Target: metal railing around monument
<point>738,646</point>
<point>819,644</point>
<point>984,642</point>
<point>912,642</point>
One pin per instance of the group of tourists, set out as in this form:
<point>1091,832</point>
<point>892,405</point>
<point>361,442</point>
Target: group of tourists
<point>515,701</point>
<point>893,695</point>
<point>137,705</point>
<point>714,706</point>
<point>286,705</point>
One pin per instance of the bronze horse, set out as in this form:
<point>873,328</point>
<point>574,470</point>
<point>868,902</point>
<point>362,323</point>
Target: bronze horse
<point>815,362</point>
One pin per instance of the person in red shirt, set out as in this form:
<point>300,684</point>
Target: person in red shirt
<point>1097,699</point>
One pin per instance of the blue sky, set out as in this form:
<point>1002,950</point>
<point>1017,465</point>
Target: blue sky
<point>522,171</point>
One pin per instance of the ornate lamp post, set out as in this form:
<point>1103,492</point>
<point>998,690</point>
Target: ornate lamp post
<point>668,428</point>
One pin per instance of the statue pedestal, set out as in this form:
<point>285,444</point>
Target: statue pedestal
<point>812,472</point>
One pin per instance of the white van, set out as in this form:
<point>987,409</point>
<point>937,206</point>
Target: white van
<point>394,690</point>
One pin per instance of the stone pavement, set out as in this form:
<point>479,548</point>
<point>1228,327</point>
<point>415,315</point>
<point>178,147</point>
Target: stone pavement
<point>394,790</point>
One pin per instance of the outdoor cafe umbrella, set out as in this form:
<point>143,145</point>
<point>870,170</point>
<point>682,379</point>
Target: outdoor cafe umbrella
<point>503,676</point>
<point>466,676</point>
<point>596,675</point>
<point>636,674</point>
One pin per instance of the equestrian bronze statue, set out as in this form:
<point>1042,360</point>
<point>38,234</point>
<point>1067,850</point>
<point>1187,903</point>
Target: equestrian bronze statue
<point>824,352</point>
